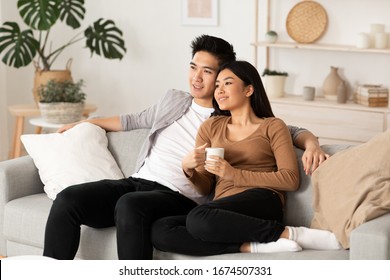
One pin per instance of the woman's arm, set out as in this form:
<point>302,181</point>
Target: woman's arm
<point>193,163</point>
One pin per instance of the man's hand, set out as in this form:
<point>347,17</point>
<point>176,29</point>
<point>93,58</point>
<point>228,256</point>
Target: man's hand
<point>312,158</point>
<point>67,127</point>
<point>194,159</point>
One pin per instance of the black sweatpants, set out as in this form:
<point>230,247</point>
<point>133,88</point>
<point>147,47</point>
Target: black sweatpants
<point>223,225</point>
<point>131,204</point>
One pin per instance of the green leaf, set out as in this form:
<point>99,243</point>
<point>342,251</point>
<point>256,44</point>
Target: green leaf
<point>20,47</point>
<point>104,38</point>
<point>72,12</point>
<point>39,14</point>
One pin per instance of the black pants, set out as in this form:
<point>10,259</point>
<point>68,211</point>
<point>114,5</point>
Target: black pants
<point>131,204</point>
<point>223,225</point>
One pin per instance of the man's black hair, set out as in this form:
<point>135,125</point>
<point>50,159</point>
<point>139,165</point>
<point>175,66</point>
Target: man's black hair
<point>214,45</point>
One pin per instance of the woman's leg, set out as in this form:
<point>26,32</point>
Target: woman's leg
<point>134,215</point>
<point>221,226</point>
<point>170,234</point>
<point>315,239</point>
<point>253,215</point>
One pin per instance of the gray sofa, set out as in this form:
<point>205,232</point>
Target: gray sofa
<point>24,208</point>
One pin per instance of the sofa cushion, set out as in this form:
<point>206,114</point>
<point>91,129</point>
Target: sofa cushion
<point>125,147</point>
<point>298,209</point>
<point>75,156</point>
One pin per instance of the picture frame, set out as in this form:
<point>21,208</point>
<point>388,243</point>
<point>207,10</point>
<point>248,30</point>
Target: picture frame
<point>200,12</point>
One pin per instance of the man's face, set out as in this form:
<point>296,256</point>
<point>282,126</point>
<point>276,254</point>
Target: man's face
<point>201,76</point>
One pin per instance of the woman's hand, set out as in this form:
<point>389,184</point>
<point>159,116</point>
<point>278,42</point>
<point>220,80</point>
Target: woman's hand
<point>220,167</point>
<point>194,159</point>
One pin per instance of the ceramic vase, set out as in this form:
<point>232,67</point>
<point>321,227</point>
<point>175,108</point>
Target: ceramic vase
<point>331,83</point>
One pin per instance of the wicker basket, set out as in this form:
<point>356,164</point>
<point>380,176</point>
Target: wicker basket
<point>306,22</point>
<point>61,112</point>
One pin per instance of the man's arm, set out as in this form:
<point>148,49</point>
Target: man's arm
<point>313,155</point>
<point>108,124</point>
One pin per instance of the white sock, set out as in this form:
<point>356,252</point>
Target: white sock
<point>316,239</point>
<point>282,245</point>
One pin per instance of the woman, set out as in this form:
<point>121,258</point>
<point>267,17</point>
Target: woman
<point>259,166</point>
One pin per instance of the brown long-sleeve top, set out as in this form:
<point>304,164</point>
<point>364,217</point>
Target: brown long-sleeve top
<point>264,159</point>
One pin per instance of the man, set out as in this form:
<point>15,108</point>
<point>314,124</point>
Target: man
<point>159,187</point>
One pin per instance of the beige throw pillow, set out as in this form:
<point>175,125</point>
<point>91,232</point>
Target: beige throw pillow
<point>352,187</point>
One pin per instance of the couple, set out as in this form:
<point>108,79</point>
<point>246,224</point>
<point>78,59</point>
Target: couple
<point>159,189</point>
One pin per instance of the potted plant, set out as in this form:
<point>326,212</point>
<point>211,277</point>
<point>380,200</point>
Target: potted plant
<point>274,82</point>
<point>61,102</point>
<point>21,47</point>
<point>271,36</point>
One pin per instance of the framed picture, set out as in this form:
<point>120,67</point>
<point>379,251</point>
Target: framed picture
<point>200,12</point>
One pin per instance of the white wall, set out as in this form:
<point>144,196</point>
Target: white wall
<point>158,50</point>
<point>157,56</point>
<point>3,109</point>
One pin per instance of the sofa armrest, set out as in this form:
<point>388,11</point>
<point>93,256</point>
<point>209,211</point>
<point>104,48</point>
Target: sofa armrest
<point>18,177</point>
<point>371,240</point>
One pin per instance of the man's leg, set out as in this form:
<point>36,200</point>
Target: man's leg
<point>135,214</point>
<point>91,204</point>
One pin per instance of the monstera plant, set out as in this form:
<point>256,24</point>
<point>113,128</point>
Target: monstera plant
<point>20,48</point>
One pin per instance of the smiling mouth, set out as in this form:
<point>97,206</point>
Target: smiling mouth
<point>197,86</point>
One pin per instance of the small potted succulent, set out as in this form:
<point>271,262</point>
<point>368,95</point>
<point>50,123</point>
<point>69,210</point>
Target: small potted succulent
<point>61,102</point>
<point>274,82</point>
<point>271,36</point>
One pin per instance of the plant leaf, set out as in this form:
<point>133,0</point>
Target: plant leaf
<point>39,14</point>
<point>21,46</point>
<point>104,38</point>
<point>72,12</point>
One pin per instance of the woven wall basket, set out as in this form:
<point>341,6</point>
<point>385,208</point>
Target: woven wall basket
<point>306,22</point>
<point>61,112</point>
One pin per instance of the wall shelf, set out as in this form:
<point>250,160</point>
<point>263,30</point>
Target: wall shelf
<point>321,47</point>
<point>348,123</point>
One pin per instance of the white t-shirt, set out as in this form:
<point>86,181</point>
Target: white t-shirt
<point>163,164</point>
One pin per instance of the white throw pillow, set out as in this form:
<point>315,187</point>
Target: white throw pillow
<point>75,156</point>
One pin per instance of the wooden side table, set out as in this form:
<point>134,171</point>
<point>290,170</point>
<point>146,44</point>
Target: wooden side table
<point>22,111</point>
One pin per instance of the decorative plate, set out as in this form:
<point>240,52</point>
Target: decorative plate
<point>306,22</point>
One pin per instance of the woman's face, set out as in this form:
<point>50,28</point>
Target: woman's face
<point>230,91</point>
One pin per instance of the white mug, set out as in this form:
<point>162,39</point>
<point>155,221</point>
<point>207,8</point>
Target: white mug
<point>214,152</point>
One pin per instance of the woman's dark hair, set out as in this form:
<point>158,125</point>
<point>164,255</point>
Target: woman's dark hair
<point>218,47</point>
<point>249,75</point>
